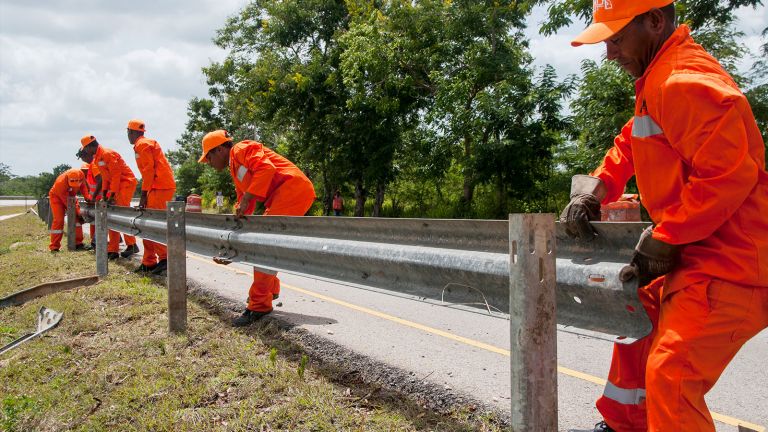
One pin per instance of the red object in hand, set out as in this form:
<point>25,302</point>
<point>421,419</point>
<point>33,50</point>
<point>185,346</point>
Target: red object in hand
<point>626,209</point>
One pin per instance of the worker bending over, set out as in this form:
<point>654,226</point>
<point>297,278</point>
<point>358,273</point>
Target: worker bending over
<point>66,185</point>
<point>115,182</point>
<point>157,188</point>
<point>699,161</point>
<point>260,175</point>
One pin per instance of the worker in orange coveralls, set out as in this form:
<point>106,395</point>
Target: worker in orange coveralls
<point>260,175</point>
<point>115,182</point>
<point>699,161</point>
<point>67,184</point>
<point>157,188</point>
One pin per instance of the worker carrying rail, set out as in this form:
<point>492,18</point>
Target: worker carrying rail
<point>699,161</point>
<point>260,175</point>
<point>67,184</point>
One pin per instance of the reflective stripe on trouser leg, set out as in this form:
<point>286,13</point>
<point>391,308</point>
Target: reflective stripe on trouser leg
<point>260,294</point>
<point>621,404</point>
<point>158,199</point>
<point>58,210</point>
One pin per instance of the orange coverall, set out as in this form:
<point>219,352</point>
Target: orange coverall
<point>699,160</point>
<point>90,181</point>
<point>116,179</point>
<point>158,182</point>
<point>67,184</point>
<point>284,190</point>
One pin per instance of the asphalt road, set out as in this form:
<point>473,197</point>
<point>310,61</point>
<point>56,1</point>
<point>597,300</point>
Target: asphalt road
<point>467,351</point>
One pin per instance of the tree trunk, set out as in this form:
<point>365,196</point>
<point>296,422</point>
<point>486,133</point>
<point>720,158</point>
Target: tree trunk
<point>469,180</point>
<point>360,197</point>
<point>379,200</point>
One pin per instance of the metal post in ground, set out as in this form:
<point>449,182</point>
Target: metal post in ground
<point>71,223</point>
<point>532,322</point>
<point>101,238</point>
<point>177,267</point>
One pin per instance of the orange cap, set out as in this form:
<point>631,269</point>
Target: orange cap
<point>211,140</point>
<point>87,140</point>
<point>610,16</point>
<point>136,125</point>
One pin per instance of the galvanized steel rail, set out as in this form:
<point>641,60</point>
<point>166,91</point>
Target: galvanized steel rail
<point>456,261</point>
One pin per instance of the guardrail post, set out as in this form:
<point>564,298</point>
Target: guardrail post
<point>177,267</point>
<point>71,223</point>
<point>533,328</point>
<point>101,239</point>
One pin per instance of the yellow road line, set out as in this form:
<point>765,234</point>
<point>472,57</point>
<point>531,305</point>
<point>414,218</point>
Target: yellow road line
<point>477,344</point>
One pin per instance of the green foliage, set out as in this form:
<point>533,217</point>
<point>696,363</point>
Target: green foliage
<point>302,366</point>
<point>38,185</point>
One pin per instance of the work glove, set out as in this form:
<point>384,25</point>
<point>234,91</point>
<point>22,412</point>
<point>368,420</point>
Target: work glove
<point>586,194</point>
<point>652,258</point>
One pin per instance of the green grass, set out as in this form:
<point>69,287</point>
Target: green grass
<point>112,365</point>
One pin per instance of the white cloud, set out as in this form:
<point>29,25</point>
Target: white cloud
<point>68,68</point>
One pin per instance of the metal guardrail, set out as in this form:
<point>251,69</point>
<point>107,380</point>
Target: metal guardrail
<point>457,261</point>
<point>525,266</point>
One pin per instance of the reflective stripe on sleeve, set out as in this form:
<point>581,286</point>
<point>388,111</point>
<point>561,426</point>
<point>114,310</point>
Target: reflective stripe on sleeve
<point>57,231</point>
<point>644,127</point>
<point>241,172</point>
<point>624,396</point>
<point>102,163</point>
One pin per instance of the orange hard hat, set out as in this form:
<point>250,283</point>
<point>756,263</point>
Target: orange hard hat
<point>136,125</point>
<point>87,140</point>
<point>211,140</point>
<point>610,16</point>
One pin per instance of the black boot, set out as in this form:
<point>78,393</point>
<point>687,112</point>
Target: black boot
<point>143,269</point>
<point>160,268</point>
<point>129,250</point>
<point>248,317</point>
<point>112,256</point>
<point>600,427</point>
<point>80,247</point>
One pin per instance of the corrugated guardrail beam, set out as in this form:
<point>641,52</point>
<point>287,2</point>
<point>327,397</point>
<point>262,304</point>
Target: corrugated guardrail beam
<point>459,261</point>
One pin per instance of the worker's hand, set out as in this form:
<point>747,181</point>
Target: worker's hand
<point>111,200</point>
<point>652,258</point>
<point>586,194</point>
<point>244,204</point>
<point>143,200</point>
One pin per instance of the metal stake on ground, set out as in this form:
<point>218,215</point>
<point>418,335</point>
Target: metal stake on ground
<point>533,331</point>
<point>71,223</point>
<point>101,239</point>
<point>177,267</point>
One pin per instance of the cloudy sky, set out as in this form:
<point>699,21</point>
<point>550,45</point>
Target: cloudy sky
<point>75,67</point>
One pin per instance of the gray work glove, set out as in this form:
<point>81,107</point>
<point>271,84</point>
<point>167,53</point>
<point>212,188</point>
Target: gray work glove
<point>586,194</point>
<point>652,258</point>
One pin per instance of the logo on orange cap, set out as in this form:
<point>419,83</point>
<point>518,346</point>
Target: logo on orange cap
<point>87,140</point>
<point>610,16</point>
<point>136,125</point>
<point>211,140</point>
